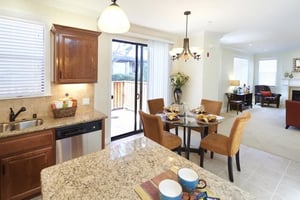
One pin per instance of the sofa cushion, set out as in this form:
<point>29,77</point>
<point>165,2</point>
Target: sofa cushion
<point>266,93</point>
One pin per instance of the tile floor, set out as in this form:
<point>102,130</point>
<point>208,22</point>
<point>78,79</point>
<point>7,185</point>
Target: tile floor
<point>266,176</point>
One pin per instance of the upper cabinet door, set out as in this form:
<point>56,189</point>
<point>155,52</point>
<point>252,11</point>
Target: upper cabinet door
<point>75,55</point>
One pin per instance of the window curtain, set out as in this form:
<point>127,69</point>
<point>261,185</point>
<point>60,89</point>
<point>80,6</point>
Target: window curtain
<point>159,71</point>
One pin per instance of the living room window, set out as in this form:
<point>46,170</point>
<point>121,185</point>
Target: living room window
<point>22,62</point>
<point>267,70</point>
<point>240,70</point>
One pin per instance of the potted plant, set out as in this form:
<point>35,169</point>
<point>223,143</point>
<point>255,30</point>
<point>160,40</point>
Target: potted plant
<point>177,81</point>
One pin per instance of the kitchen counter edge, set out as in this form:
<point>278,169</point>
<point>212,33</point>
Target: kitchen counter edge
<point>50,123</point>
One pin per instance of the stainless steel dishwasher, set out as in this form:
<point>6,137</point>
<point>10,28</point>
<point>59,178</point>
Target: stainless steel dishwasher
<point>76,140</point>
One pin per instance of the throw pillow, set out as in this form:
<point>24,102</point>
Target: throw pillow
<point>266,93</point>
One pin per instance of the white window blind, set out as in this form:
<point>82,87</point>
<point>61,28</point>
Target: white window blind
<point>240,70</point>
<point>267,72</point>
<point>22,63</point>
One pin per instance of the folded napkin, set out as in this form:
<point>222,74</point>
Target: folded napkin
<point>149,190</point>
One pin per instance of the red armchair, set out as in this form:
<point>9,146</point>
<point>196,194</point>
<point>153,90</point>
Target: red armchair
<point>292,113</point>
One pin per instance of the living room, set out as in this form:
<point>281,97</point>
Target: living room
<point>209,77</point>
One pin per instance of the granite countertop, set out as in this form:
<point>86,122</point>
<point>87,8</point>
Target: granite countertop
<point>114,172</point>
<point>50,122</point>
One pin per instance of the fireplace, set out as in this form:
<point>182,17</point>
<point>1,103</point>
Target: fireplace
<point>296,95</point>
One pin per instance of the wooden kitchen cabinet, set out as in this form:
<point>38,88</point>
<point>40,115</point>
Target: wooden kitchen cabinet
<point>22,158</point>
<point>75,55</point>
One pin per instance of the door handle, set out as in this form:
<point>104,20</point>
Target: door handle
<point>138,96</point>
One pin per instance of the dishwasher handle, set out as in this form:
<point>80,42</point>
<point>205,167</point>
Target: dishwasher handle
<point>73,130</point>
<point>64,133</point>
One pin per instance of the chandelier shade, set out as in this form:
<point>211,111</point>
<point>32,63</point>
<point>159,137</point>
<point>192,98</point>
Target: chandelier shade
<point>113,20</point>
<point>186,52</point>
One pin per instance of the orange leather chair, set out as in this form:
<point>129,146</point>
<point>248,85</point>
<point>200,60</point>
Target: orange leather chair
<point>228,146</point>
<point>211,107</point>
<point>153,129</point>
<point>292,113</point>
<point>157,106</point>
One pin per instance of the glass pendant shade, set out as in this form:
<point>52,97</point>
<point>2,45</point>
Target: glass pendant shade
<point>113,20</point>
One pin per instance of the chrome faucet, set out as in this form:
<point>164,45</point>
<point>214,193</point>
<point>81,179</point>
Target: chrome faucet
<point>13,116</point>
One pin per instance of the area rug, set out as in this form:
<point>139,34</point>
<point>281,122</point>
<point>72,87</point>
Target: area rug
<point>266,131</point>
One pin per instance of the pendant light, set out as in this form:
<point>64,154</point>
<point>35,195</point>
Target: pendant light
<point>113,19</point>
<point>186,52</point>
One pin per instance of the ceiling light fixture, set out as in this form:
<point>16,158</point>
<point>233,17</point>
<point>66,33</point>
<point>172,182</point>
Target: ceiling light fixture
<point>186,52</point>
<point>113,19</point>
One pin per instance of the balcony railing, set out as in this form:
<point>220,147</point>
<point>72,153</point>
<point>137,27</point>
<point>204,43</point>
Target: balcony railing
<point>124,93</point>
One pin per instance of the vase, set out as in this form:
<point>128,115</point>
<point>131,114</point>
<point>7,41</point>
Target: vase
<point>177,95</point>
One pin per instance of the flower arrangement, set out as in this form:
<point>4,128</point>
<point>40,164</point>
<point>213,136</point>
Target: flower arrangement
<point>288,75</point>
<point>178,80</point>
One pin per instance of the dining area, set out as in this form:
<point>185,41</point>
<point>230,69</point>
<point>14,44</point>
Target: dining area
<point>178,116</point>
<point>203,120</point>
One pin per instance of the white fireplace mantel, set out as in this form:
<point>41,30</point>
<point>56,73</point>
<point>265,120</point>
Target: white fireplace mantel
<point>291,82</point>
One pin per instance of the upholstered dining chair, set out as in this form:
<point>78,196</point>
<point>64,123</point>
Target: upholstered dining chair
<point>226,145</point>
<point>153,129</point>
<point>211,107</point>
<point>157,106</point>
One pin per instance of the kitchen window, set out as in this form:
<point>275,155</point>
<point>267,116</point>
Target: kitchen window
<point>22,61</point>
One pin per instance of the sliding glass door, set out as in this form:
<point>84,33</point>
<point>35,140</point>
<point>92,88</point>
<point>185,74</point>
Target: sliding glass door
<point>129,87</point>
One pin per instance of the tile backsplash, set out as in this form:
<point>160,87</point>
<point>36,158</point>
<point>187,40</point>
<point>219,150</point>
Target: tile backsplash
<point>41,105</point>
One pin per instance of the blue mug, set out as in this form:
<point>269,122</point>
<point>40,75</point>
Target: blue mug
<point>189,180</point>
<point>169,190</point>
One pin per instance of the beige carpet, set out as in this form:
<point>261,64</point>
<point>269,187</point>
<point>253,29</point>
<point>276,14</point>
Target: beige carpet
<point>266,131</point>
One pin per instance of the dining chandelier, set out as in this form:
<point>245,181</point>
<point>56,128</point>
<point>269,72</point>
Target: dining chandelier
<point>186,52</point>
<point>113,19</point>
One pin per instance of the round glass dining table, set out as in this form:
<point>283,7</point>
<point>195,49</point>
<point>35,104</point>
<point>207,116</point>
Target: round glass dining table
<point>188,122</point>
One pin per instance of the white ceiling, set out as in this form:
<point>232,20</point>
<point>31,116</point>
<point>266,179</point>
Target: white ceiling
<point>253,26</point>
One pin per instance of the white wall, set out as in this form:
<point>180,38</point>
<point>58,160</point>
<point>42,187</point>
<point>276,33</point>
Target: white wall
<point>212,70</point>
<point>192,91</point>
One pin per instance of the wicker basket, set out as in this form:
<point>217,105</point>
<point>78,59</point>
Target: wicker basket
<point>64,112</point>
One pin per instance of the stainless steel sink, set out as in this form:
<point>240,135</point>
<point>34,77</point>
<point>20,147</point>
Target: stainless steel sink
<point>19,125</point>
<point>27,124</point>
<point>4,127</point>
